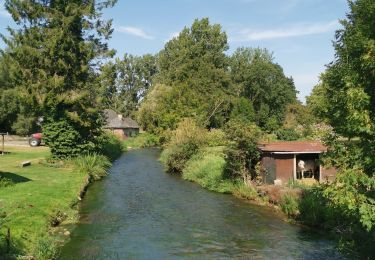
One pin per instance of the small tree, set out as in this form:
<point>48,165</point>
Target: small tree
<point>242,153</point>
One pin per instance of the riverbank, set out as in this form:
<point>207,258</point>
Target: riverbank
<point>38,203</point>
<point>141,212</point>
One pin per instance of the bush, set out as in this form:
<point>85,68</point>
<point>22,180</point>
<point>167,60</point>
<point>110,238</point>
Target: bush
<point>313,208</point>
<point>287,134</point>
<point>24,125</point>
<point>207,169</point>
<point>65,141</point>
<point>242,152</point>
<point>184,143</point>
<point>94,165</point>
<point>289,205</point>
<point>110,146</point>
<point>216,137</point>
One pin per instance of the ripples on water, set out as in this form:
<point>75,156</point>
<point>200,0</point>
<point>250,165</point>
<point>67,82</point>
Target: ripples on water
<point>140,212</point>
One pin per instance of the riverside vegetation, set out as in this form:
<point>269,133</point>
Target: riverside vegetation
<point>207,108</point>
<point>39,203</point>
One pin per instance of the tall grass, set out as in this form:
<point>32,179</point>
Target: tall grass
<point>243,191</point>
<point>289,205</point>
<point>94,165</point>
<point>207,170</point>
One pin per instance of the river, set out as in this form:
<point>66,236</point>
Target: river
<point>140,212</point>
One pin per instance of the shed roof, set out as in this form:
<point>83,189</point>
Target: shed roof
<point>113,120</point>
<point>293,147</point>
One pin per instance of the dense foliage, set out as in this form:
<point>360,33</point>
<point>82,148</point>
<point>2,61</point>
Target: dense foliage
<point>242,152</point>
<point>345,99</point>
<point>125,82</point>
<point>185,141</point>
<point>52,53</point>
<point>263,83</point>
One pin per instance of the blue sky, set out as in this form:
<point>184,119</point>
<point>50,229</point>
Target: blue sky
<point>298,32</point>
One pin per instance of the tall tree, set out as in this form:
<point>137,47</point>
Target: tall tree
<point>263,83</point>
<point>347,99</point>
<point>195,65</point>
<point>56,47</point>
<point>125,82</point>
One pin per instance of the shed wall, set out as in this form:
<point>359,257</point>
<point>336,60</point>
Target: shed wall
<point>284,167</point>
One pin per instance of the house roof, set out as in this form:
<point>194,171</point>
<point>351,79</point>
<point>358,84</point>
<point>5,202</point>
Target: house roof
<point>114,120</point>
<point>293,147</point>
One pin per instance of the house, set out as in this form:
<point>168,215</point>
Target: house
<point>120,126</point>
<point>283,161</point>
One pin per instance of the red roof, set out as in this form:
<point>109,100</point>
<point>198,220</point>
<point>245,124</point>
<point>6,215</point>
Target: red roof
<point>293,146</point>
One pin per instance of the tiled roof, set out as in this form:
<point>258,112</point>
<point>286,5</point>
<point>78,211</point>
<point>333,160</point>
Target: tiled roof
<point>114,121</point>
<point>293,146</point>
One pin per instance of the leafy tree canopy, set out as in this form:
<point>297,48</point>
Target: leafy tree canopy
<point>264,84</point>
<point>55,49</point>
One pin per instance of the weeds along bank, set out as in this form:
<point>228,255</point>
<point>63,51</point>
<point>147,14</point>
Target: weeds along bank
<point>225,161</point>
<point>39,203</point>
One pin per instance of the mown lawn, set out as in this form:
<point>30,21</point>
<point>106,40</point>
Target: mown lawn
<point>40,192</point>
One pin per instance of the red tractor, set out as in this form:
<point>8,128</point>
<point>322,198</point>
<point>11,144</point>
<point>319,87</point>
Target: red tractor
<point>35,139</point>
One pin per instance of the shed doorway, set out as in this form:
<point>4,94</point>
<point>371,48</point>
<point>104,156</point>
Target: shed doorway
<point>307,166</point>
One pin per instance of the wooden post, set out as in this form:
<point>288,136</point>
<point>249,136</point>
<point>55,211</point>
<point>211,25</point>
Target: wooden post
<point>295,167</point>
<point>3,140</point>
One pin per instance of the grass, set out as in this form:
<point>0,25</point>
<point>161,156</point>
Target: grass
<point>207,169</point>
<point>39,193</point>
<point>93,165</point>
<point>142,140</point>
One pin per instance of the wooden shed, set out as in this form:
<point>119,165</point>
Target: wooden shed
<point>123,127</point>
<point>283,161</point>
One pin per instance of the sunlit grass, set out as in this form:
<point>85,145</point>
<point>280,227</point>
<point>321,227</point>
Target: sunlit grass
<point>38,193</point>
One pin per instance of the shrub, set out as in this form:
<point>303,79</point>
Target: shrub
<point>184,143</point>
<point>65,141</point>
<point>242,152</point>
<point>216,137</point>
<point>207,169</point>
<point>289,205</point>
<point>94,165</point>
<point>110,146</point>
<point>287,134</point>
<point>312,207</point>
<point>24,125</point>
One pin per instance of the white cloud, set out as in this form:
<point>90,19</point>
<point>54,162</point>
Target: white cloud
<point>138,32</point>
<point>171,36</point>
<point>296,30</point>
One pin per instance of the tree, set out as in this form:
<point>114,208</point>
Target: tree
<point>263,83</point>
<point>346,97</point>
<point>55,50</point>
<point>125,83</point>
<point>194,64</point>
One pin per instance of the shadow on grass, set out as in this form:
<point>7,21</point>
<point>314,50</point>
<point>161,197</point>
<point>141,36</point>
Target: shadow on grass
<point>15,178</point>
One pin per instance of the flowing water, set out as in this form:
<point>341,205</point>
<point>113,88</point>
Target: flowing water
<point>140,212</point>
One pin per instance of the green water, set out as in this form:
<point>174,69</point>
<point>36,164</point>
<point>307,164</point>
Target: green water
<point>140,212</point>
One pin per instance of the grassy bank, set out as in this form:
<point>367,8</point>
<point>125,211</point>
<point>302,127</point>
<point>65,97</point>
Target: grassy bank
<point>34,200</point>
<point>301,204</point>
<point>142,140</point>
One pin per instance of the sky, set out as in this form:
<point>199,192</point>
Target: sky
<point>298,32</point>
